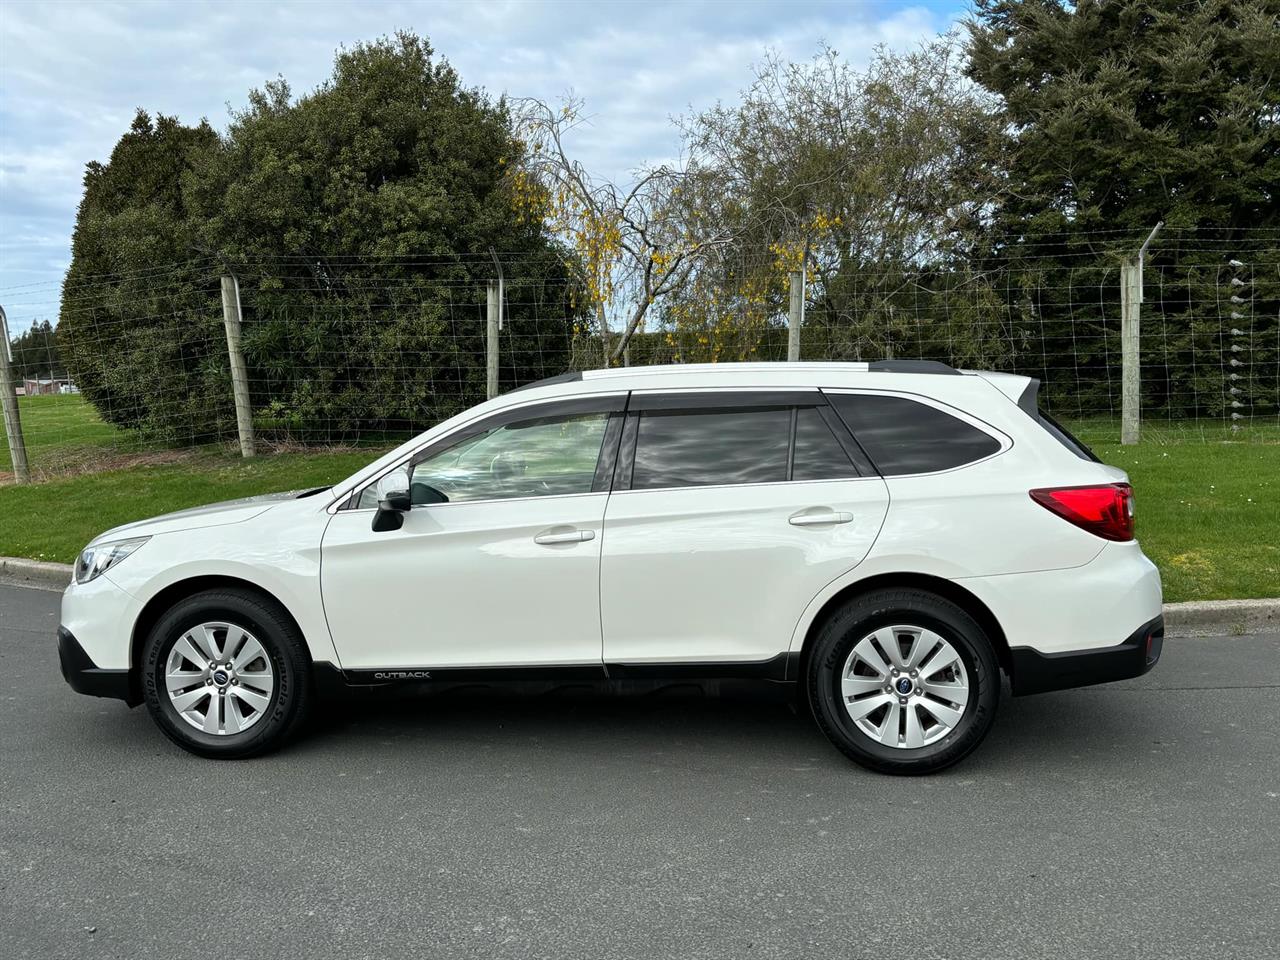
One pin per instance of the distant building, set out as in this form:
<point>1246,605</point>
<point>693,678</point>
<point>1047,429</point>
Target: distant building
<point>40,386</point>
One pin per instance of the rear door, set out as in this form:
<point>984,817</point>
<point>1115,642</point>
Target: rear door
<point>730,511</point>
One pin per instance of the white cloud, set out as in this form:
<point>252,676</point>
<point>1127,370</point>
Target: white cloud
<point>72,74</point>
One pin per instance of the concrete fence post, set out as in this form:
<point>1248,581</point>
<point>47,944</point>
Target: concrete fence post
<point>239,372</point>
<point>1130,343</point>
<point>491,339</point>
<point>9,402</point>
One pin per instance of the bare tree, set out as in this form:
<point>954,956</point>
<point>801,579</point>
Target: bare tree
<point>632,244</point>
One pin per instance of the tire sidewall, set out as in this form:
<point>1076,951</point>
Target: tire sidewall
<point>264,626</point>
<point>836,642</point>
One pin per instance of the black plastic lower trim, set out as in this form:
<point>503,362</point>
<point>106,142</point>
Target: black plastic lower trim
<point>1036,672</point>
<point>780,667</point>
<point>86,677</point>
<point>362,677</point>
<point>774,668</point>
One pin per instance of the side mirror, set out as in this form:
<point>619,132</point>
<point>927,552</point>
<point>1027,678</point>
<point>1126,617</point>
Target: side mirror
<point>391,511</point>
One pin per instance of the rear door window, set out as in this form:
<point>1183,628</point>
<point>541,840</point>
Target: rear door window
<point>694,448</point>
<point>818,454</point>
<point>903,436</point>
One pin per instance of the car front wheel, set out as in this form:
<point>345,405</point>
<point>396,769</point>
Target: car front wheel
<point>226,674</point>
<point>903,681</point>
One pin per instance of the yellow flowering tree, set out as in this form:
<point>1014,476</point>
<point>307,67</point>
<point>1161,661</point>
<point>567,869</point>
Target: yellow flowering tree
<point>631,244</point>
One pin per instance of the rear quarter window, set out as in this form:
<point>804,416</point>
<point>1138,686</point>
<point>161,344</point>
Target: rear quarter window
<point>903,436</point>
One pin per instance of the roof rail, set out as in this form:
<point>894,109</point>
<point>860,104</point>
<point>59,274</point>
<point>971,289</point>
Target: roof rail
<point>570,377</point>
<point>911,366</point>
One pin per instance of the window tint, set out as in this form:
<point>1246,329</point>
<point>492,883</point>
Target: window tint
<point>818,455</point>
<point>691,449</point>
<point>542,457</point>
<point>902,436</point>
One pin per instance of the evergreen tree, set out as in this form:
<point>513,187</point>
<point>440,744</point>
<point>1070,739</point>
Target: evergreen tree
<point>1121,114</point>
<point>133,328</point>
<point>358,219</point>
<point>35,352</point>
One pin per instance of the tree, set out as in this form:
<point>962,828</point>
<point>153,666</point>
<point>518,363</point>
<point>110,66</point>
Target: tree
<point>1119,115</point>
<point>630,245</point>
<point>137,312</point>
<point>870,180</point>
<point>35,352</point>
<point>374,201</point>
<point>359,219</point>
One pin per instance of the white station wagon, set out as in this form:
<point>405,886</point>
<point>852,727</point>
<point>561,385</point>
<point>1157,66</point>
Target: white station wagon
<point>887,537</point>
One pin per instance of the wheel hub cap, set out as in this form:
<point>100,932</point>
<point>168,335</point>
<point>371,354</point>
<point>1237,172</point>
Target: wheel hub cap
<point>904,686</point>
<point>219,678</point>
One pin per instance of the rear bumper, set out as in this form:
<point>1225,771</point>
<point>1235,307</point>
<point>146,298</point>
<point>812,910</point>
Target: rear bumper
<point>86,677</point>
<point>1036,672</point>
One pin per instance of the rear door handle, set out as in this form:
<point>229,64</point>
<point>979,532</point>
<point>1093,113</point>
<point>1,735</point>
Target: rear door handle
<point>819,519</point>
<point>567,536</point>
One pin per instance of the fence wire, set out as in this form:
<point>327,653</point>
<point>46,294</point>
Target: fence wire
<point>355,351</point>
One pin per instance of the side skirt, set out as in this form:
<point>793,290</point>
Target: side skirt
<point>783,667</point>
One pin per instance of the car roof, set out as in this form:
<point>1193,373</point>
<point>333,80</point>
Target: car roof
<point>695,375</point>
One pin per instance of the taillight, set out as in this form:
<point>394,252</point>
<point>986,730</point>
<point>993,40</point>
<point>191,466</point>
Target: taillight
<point>1105,510</point>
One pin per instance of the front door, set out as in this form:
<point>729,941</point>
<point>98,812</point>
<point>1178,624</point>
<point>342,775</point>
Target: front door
<point>498,561</point>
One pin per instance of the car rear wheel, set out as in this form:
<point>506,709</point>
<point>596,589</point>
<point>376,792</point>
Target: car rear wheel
<point>903,681</point>
<point>226,674</point>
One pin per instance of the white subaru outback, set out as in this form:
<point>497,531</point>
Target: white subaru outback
<point>890,537</point>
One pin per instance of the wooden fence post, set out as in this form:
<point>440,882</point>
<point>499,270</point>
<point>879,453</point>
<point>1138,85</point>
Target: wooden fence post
<point>9,402</point>
<point>239,372</point>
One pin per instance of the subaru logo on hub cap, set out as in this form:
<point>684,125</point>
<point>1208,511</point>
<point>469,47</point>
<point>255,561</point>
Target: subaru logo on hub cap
<point>904,686</point>
<point>220,678</point>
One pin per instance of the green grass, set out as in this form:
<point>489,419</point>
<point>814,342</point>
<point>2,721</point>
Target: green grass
<point>61,430</point>
<point>54,519</point>
<point>1207,502</point>
<point>92,476</point>
<point>1208,498</point>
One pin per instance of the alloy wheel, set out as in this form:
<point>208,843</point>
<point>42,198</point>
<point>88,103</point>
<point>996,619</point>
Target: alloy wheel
<point>219,678</point>
<point>904,686</point>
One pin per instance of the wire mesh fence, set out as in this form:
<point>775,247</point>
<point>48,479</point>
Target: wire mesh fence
<point>360,351</point>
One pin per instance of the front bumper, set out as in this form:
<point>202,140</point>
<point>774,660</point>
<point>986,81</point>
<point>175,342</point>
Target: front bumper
<point>1036,672</point>
<point>85,676</point>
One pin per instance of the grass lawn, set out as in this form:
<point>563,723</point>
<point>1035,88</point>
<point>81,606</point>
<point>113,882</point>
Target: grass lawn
<point>61,430</point>
<point>54,519</point>
<point>93,476</point>
<point>1208,499</point>
<point>1208,510</point>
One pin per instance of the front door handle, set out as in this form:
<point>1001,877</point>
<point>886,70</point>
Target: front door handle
<point>566,536</point>
<point>819,519</point>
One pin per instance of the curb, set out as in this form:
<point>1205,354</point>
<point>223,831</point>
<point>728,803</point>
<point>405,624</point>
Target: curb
<point>1180,619</point>
<point>37,572</point>
<point>1221,617</point>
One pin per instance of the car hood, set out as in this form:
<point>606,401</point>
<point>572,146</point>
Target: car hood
<point>210,515</point>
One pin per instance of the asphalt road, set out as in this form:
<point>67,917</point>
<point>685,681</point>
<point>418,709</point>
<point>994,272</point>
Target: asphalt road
<point>1136,820</point>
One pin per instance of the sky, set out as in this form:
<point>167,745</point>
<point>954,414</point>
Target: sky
<point>72,75</point>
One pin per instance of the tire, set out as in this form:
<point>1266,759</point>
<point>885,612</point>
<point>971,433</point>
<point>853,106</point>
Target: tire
<point>854,693</point>
<point>263,693</point>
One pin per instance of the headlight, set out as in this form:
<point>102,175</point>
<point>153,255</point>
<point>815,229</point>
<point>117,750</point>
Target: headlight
<point>101,557</point>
